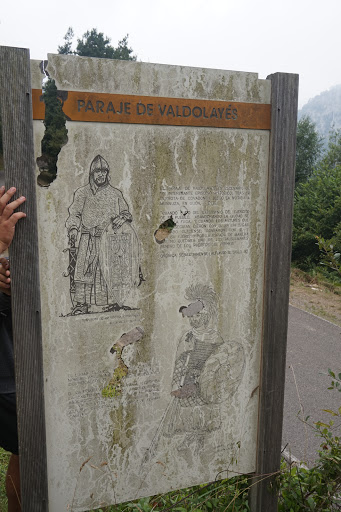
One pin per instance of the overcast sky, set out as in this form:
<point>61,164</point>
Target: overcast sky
<point>263,36</point>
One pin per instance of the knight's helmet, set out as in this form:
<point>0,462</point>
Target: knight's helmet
<point>98,163</point>
<point>206,295</point>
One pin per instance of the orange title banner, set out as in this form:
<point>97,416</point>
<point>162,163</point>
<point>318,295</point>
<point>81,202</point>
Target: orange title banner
<point>122,108</point>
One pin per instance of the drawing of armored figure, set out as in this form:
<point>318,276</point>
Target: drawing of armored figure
<point>105,265</point>
<point>207,372</point>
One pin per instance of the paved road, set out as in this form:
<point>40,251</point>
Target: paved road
<point>314,345</point>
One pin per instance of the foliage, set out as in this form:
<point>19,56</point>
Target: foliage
<point>336,382</point>
<point>65,49</point>
<point>317,488</point>
<point>223,496</point>
<point>329,257</point>
<point>95,44</point>
<point>332,157</point>
<point>4,459</point>
<point>114,387</point>
<point>55,135</point>
<point>317,205</point>
<point>317,212</point>
<point>308,149</point>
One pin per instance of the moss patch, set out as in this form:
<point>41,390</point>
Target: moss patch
<point>114,387</point>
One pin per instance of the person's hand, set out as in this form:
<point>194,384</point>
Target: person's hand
<point>8,218</point>
<point>185,391</point>
<point>117,222</point>
<point>5,281</point>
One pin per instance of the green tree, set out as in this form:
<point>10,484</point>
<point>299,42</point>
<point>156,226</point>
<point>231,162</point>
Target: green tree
<point>95,44</point>
<point>332,157</point>
<point>308,149</point>
<point>317,212</point>
<point>329,257</point>
<point>317,208</point>
<point>66,47</point>
<point>55,135</point>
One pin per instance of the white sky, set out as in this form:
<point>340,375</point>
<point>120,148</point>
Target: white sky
<point>263,36</point>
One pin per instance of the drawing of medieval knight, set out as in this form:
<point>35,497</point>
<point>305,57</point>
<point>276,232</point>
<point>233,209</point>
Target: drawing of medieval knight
<point>207,371</point>
<point>106,263</point>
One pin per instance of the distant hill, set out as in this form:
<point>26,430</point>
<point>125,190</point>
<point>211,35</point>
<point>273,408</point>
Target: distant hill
<point>324,110</point>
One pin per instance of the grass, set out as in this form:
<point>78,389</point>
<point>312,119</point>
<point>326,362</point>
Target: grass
<point>221,496</point>
<point>316,293</point>
<point>4,458</point>
<point>224,495</point>
<point>318,276</point>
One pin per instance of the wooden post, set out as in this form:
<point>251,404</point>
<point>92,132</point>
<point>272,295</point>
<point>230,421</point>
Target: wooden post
<point>19,165</point>
<point>284,94</point>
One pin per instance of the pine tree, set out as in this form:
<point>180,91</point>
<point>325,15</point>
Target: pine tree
<point>308,149</point>
<point>55,135</point>
<point>95,44</point>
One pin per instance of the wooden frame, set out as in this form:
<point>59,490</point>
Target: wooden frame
<point>19,164</point>
<point>16,107</point>
<point>284,94</point>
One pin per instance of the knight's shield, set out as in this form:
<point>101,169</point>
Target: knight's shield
<point>222,373</point>
<point>119,261</point>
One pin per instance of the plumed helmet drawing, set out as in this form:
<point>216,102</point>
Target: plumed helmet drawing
<point>205,294</point>
<point>99,163</point>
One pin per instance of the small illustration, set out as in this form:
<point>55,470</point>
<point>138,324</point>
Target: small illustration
<point>105,265</point>
<point>207,372</point>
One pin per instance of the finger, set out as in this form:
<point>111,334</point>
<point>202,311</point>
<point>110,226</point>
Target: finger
<point>9,208</point>
<point>5,197</point>
<point>4,274</point>
<point>2,191</point>
<point>5,287</point>
<point>4,263</point>
<point>4,279</point>
<point>15,217</point>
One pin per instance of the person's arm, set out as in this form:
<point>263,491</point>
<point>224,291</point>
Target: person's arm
<point>124,213</point>
<point>5,287</point>
<point>9,218</point>
<point>74,219</point>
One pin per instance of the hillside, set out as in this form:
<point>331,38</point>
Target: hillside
<point>324,110</point>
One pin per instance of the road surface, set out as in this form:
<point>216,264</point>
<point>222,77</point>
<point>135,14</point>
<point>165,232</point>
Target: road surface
<point>314,345</point>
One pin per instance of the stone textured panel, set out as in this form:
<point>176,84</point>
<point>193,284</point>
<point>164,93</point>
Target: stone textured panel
<point>174,403</point>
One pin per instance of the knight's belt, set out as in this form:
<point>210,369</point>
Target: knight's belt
<point>95,231</point>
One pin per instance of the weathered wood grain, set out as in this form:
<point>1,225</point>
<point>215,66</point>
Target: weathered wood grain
<point>284,96</point>
<point>19,165</point>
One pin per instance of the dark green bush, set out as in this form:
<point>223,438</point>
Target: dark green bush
<point>317,212</point>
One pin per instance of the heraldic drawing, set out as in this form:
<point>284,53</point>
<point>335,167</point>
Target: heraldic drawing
<point>104,252</point>
<point>207,372</point>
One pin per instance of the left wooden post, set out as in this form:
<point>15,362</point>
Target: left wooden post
<point>19,165</point>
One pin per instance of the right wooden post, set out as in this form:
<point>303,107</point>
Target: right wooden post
<point>284,95</point>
